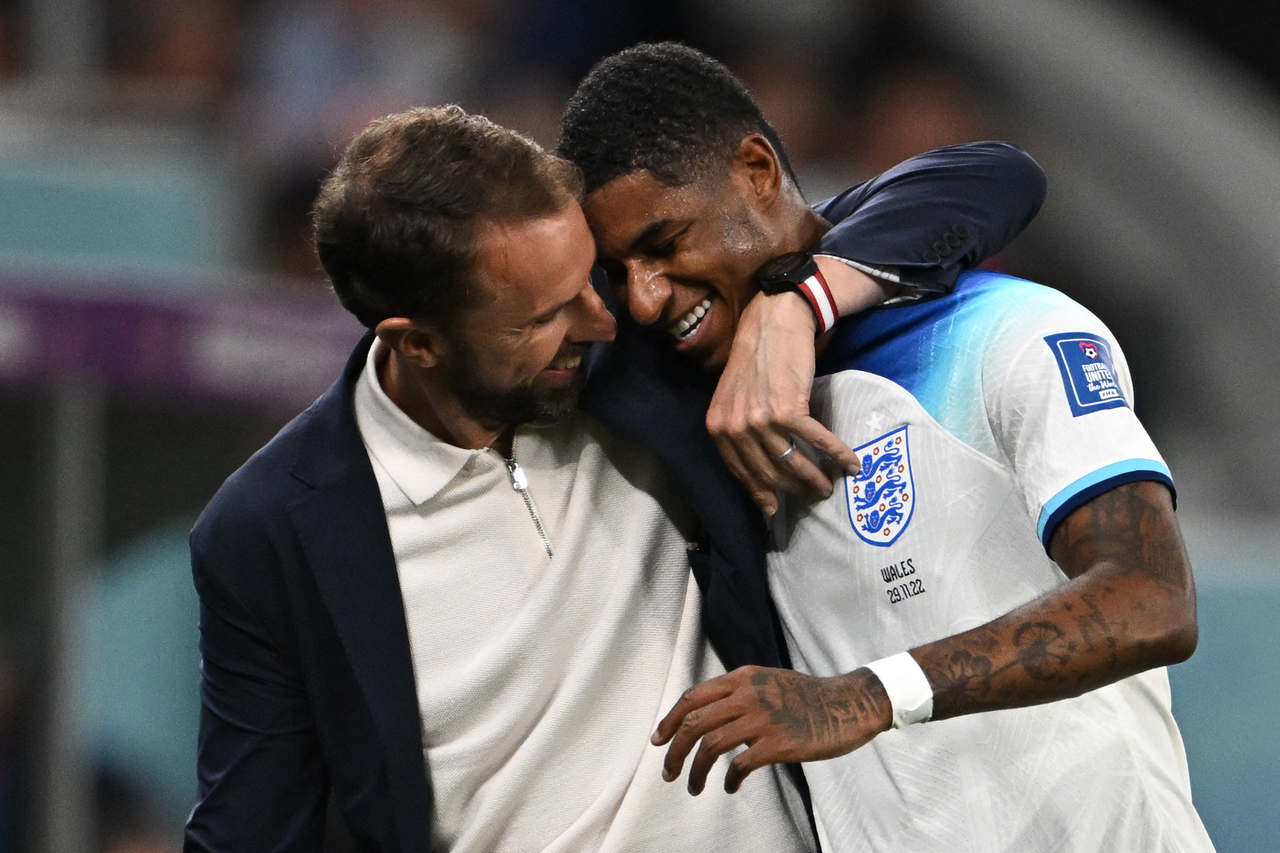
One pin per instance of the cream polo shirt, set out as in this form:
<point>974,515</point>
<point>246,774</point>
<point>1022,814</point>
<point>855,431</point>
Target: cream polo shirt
<point>540,679</point>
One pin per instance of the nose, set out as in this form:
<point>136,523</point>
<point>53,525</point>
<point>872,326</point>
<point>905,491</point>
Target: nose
<point>647,293</point>
<point>592,321</point>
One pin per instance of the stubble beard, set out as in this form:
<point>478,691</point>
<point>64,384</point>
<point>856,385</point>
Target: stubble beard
<point>524,403</point>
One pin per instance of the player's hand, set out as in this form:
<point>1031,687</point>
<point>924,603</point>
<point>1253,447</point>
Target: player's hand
<point>761,404</point>
<point>779,714</point>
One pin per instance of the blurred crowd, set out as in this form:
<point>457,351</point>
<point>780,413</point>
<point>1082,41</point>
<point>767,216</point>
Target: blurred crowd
<point>281,84</point>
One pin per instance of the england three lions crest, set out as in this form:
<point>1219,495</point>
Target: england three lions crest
<point>881,496</point>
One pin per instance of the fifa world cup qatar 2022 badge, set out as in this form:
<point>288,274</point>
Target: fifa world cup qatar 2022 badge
<point>1088,372</point>
<point>882,497</point>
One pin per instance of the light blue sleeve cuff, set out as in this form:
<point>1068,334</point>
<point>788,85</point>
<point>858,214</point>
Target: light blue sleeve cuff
<point>1090,486</point>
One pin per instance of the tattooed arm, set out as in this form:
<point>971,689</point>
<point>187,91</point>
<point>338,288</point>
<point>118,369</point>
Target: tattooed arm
<point>1128,606</point>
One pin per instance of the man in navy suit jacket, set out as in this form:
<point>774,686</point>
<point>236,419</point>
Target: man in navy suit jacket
<point>308,677</point>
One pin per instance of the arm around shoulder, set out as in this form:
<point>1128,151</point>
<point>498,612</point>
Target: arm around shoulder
<point>923,222</point>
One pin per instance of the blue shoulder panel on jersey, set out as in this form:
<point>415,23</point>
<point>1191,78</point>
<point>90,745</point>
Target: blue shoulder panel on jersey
<point>931,347</point>
<point>1090,486</point>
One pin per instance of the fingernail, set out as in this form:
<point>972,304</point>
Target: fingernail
<point>667,775</point>
<point>655,739</point>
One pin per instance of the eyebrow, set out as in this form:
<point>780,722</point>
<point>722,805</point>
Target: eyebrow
<point>650,232</point>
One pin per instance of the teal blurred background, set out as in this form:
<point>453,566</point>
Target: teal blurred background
<point>161,314</point>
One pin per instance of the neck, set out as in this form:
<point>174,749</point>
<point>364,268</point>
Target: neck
<point>418,392</point>
<point>798,227</point>
<point>808,230</point>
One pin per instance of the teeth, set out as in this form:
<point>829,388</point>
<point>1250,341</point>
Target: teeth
<point>683,328</point>
<point>567,362</point>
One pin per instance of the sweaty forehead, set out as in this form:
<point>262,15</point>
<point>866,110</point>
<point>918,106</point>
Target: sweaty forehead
<point>626,211</point>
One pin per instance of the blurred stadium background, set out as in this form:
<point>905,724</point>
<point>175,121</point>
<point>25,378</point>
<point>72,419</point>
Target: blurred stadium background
<point>161,314</point>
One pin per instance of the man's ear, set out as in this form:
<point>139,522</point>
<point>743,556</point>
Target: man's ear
<point>757,164</point>
<point>419,345</point>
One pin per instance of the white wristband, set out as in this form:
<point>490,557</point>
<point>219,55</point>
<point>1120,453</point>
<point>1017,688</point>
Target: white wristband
<point>908,688</point>
<point>815,290</point>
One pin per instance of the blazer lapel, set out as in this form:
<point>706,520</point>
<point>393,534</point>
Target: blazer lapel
<point>342,527</point>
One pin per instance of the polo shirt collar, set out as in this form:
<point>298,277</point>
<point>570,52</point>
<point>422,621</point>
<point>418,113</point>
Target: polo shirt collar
<point>417,461</point>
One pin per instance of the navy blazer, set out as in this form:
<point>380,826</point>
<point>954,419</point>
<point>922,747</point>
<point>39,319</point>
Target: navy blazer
<point>307,685</point>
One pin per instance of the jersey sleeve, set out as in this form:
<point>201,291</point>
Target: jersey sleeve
<point>1060,403</point>
<point>926,220</point>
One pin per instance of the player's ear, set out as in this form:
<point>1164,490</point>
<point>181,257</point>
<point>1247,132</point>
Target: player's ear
<point>416,343</point>
<point>757,165</point>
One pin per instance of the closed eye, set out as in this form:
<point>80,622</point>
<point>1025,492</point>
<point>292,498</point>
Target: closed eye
<point>667,247</point>
<point>664,249</point>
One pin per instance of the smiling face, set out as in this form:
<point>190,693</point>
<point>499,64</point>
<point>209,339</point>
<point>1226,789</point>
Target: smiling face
<point>517,355</point>
<point>683,258</point>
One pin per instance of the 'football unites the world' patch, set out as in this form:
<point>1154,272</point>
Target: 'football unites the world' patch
<point>1088,372</point>
<point>881,497</point>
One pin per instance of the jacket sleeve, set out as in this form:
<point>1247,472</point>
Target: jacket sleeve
<point>262,782</point>
<point>930,217</point>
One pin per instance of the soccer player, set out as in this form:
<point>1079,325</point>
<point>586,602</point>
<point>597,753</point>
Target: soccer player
<point>1004,563</point>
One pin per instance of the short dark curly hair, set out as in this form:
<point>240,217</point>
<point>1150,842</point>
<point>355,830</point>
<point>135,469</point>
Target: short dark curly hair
<point>663,107</point>
<point>395,221</point>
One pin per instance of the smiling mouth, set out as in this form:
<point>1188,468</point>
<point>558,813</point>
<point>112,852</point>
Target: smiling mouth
<point>686,326</point>
<point>569,361</point>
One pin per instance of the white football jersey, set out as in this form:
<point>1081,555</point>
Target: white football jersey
<point>982,419</point>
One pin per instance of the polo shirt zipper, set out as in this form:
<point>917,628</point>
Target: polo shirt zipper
<point>520,482</point>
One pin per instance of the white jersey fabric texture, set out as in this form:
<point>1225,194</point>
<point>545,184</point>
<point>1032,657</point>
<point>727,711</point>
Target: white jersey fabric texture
<point>540,680</point>
<point>981,418</point>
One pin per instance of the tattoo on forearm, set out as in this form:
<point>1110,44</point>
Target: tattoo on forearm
<point>1093,631</point>
<point>964,674</point>
<point>1042,650</point>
